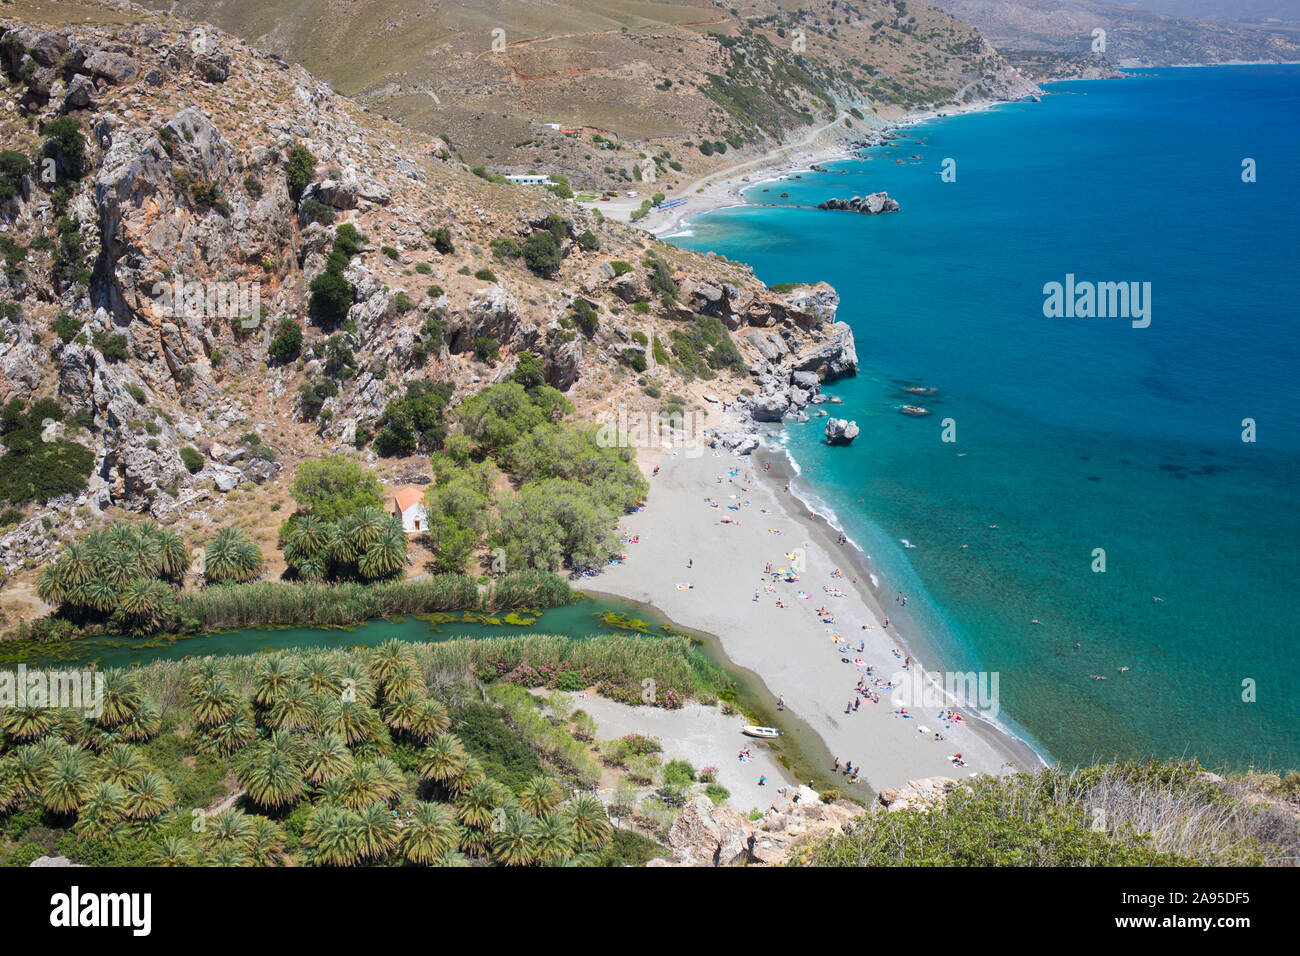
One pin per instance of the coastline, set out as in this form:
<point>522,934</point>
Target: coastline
<point>704,569</point>
<point>726,187</point>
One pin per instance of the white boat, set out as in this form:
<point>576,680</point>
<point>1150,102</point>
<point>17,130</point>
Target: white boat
<point>750,730</point>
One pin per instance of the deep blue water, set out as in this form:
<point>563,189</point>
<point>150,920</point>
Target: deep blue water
<point>1077,433</point>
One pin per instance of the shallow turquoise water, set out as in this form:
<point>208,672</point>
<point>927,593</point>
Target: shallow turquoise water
<point>1075,434</point>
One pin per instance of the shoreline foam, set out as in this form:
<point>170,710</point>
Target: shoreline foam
<point>704,574</point>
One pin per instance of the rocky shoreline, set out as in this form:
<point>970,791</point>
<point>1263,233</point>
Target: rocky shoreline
<point>789,370</point>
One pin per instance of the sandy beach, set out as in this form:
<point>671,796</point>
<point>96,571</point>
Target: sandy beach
<point>698,553</point>
<point>726,187</point>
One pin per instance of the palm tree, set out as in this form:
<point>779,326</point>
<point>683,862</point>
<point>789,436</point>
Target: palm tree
<point>352,721</point>
<point>323,673</point>
<point>295,710</point>
<point>540,795</point>
<point>101,812</point>
<point>52,584</point>
<point>389,657</point>
<point>475,805</point>
<point>27,723</point>
<point>333,835</point>
<point>513,838</point>
<point>403,709</point>
<point>430,720</point>
<point>386,556</point>
<point>451,859</point>
<point>122,765</point>
<point>235,732</point>
<point>325,757</point>
<point>144,724</point>
<point>275,675</point>
<point>27,768</point>
<point>173,851</point>
<point>356,679</point>
<point>267,842</point>
<point>146,605</point>
<point>590,822</point>
<point>366,527</point>
<point>403,680</point>
<point>552,839</point>
<point>173,558</point>
<point>149,796</point>
<point>471,774</point>
<point>366,784</point>
<point>443,760</point>
<point>271,777</point>
<point>232,557</point>
<point>67,782</point>
<point>377,831</point>
<point>213,701</point>
<point>231,828</point>
<point>122,698</point>
<point>429,834</point>
<point>228,856</point>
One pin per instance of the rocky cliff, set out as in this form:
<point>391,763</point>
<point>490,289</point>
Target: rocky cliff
<point>157,248</point>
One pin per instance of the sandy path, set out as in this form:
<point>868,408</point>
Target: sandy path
<point>682,540</point>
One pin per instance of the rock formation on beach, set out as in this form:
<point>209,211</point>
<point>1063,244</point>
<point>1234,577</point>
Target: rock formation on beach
<point>840,432</point>
<point>705,835</point>
<point>872,205</point>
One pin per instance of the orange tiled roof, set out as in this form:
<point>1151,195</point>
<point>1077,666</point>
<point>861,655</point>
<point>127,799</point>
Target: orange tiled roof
<point>406,497</point>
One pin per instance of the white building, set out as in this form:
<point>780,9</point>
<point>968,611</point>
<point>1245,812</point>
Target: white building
<point>408,504</point>
<point>529,179</point>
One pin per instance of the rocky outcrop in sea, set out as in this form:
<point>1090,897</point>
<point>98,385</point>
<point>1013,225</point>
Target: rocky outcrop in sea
<point>840,432</point>
<point>872,205</point>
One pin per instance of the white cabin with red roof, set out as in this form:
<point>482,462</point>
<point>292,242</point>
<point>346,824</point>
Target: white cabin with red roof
<point>408,504</point>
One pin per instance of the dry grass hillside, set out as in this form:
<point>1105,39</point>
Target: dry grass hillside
<point>188,158</point>
<point>635,80</point>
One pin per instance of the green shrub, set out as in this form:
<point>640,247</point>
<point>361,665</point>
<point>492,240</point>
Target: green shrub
<point>313,210</point>
<point>111,345</point>
<point>442,240</point>
<point>65,327</point>
<point>620,267</point>
<point>287,344</point>
<point>486,349</point>
<point>301,167</point>
<point>542,253</point>
<point>66,145</point>
<point>485,275</point>
<point>192,458</point>
<point>389,251</point>
<point>13,167</point>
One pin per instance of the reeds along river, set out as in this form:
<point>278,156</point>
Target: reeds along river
<point>581,619</point>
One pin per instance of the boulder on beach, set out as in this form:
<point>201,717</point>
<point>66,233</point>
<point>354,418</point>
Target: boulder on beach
<point>872,205</point>
<point>840,432</point>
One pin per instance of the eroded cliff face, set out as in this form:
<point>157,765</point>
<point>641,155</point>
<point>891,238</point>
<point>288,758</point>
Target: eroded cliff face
<point>158,266</point>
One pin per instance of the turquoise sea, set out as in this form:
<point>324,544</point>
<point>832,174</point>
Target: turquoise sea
<point>1076,434</point>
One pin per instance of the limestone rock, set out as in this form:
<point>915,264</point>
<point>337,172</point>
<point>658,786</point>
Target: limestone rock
<point>872,205</point>
<point>840,432</point>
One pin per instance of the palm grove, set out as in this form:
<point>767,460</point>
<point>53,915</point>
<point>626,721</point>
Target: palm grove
<point>342,758</point>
